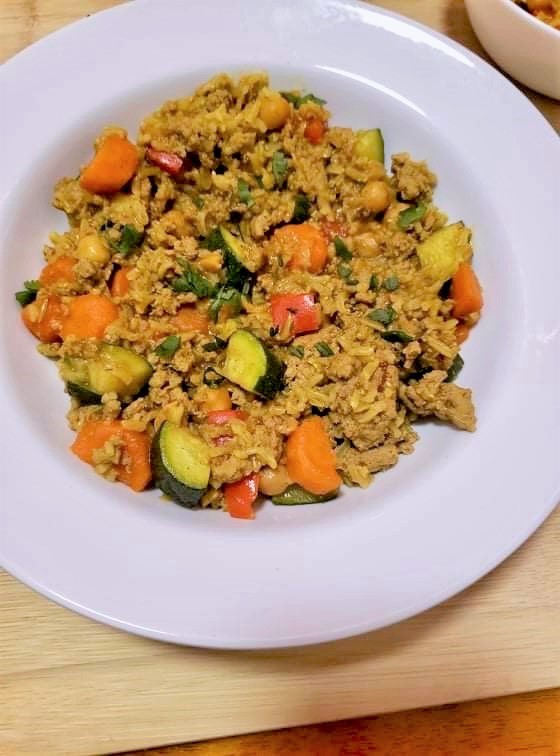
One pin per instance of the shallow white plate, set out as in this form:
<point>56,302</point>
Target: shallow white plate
<point>426,529</point>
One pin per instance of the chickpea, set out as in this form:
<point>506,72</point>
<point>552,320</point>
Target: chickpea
<point>217,400</point>
<point>376,196</point>
<point>274,111</point>
<point>93,249</point>
<point>274,482</point>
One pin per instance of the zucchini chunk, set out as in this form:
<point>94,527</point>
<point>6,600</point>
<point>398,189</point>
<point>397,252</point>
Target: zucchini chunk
<point>252,366</point>
<point>295,494</point>
<point>236,259</point>
<point>181,464</point>
<point>370,144</point>
<point>113,369</point>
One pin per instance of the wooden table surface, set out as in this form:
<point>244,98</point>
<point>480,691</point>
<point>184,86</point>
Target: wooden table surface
<point>69,685</point>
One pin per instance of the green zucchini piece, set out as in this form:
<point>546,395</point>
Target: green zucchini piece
<point>181,464</point>
<point>252,366</point>
<point>295,494</point>
<point>236,259</point>
<point>114,369</point>
<point>370,144</point>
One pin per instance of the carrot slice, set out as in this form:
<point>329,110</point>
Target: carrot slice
<point>305,245</point>
<point>60,270</point>
<point>135,470</point>
<point>241,495</point>
<point>120,284</point>
<point>89,315</point>
<point>466,292</point>
<point>44,318</point>
<point>112,166</point>
<point>310,459</point>
<point>188,318</point>
<point>315,130</point>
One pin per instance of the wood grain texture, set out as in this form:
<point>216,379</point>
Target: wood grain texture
<point>69,685</point>
<point>528,723</point>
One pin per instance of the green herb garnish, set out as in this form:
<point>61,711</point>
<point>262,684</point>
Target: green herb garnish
<point>391,283</point>
<point>384,315</point>
<point>341,250</point>
<point>214,240</point>
<point>411,215</point>
<point>397,337</point>
<point>373,283</point>
<point>296,351</point>
<point>279,167</point>
<point>298,100</point>
<point>130,238</point>
<point>455,368</point>
<point>198,201</point>
<point>245,193</point>
<point>214,346</point>
<point>192,280</point>
<point>212,378</point>
<point>28,294</point>
<point>302,207</point>
<point>345,272</point>
<point>225,295</point>
<point>324,349</point>
<point>168,346</point>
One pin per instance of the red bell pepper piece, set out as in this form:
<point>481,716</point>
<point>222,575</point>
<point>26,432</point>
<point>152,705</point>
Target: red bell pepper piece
<point>167,161</point>
<point>314,130</point>
<point>305,312</point>
<point>241,495</point>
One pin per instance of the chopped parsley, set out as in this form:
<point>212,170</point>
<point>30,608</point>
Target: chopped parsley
<point>198,201</point>
<point>225,296</point>
<point>373,283</point>
<point>384,315</point>
<point>345,272</point>
<point>279,167</point>
<point>341,250</point>
<point>214,346</point>
<point>296,351</point>
<point>28,294</point>
<point>324,349</point>
<point>168,346</point>
<point>130,238</point>
<point>391,283</point>
<point>302,208</point>
<point>245,193</point>
<point>411,215</point>
<point>298,100</point>
<point>397,337</point>
<point>192,280</point>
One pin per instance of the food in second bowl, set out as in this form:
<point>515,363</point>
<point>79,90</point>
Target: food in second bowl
<point>247,302</point>
<point>545,10</point>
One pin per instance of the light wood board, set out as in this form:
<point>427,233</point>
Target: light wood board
<point>69,685</point>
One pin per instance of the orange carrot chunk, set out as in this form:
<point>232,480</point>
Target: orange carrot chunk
<point>120,284</point>
<point>241,495</point>
<point>188,318</point>
<point>315,130</point>
<point>60,270</point>
<point>44,318</point>
<point>310,459</point>
<point>305,246</point>
<point>466,292</point>
<point>134,469</point>
<point>88,317</point>
<point>112,166</point>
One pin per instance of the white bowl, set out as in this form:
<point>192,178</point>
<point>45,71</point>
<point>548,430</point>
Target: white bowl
<point>528,49</point>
